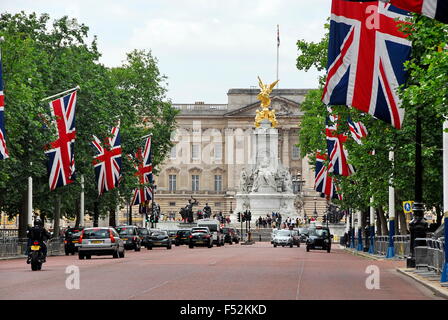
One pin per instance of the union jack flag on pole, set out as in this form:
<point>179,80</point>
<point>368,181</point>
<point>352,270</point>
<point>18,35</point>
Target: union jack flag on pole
<point>435,9</point>
<point>3,150</point>
<point>366,56</point>
<point>324,183</point>
<point>60,153</point>
<point>358,130</point>
<point>107,161</point>
<point>337,153</point>
<point>144,174</point>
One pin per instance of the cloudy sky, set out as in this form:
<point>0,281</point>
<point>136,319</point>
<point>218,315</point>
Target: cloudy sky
<point>204,47</point>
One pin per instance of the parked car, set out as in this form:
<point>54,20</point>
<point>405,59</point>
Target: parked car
<point>159,238</point>
<point>283,238</point>
<point>295,238</point>
<point>71,238</point>
<point>144,235</point>
<point>200,237</point>
<point>100,242</point>
<point>230,235</point>
<point>303,234</point>
<point>273,233</point>
<point>182,237</point>
<point>172,234</point>
<point>130,236</point>
<point>319,238</point>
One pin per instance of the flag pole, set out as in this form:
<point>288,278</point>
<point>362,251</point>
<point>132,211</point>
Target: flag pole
<point>278,50</point>
<point>61,93</point>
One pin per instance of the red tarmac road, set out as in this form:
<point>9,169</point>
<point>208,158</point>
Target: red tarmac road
<point>232,272</point>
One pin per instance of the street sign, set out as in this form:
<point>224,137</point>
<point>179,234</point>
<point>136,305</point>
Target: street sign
<point>407,206</point>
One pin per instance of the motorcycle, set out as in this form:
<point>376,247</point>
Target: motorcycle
<point>35,256</point>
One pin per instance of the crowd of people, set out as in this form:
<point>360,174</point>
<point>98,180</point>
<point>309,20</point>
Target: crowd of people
<point>276,221</point>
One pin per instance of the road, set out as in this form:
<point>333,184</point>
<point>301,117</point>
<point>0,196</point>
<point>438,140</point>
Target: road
<point>232,272</point>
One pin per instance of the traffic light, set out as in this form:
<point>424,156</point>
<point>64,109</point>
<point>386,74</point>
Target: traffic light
<point>249,216</point>
<point>239,216</point>
<point>151,219</point>
<point>324,218</point>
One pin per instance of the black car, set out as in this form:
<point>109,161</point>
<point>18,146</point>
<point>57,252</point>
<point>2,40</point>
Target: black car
<point>172,234</point>
<point>159,238</point>
<point>144,236</point>
<point>200,237</point>
<point>319,238</point>
<point>182,237</point>
<point>230,235</point>
<point>71,239</point>
<point>130,236</point>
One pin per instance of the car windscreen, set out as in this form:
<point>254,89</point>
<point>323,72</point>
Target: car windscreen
<point>211,227</point>
<point>126,231</point>
<point>158,233</point>
<point>283,233</point>
<point>143,232</point>
<point>172,233</point>
<point>183,232</point>
<point>96,234</point>
<point>199,231</point>
<point>318,232</point>
<point>303,231</point>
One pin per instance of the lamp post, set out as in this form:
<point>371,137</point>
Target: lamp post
<point>315,209</point>
<point>154,188</point>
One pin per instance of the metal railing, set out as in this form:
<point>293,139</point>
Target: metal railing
<point>12,247</point>
<point>430,255</point>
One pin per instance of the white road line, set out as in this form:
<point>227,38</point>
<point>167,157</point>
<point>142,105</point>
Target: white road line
<point>148,290</point>
<point>300,279</point>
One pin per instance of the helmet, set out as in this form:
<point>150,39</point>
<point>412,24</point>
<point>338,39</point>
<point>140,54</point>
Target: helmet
<point>38,222</point>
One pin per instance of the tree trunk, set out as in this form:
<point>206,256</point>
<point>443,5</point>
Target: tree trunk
<point>57,217</point>
<point>77,205</point>
<point>384,228</point>
<point>96,214</point>
<point>112,221</point>
<point>378,223</point>
<point>23,219</point>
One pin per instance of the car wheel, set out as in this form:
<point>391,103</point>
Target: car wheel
<point>190,246</point>
<point>176,244</point>
<point>121,254</point>
<point>81,256</point>
<point>307,249</point>
<point>275,246</point>
<point>291,245</point>
<point>115,254</point>
<point>149,247</point>
<point>67,253</point>
<point>137,248</point>
<point>328,250</point>
<point>169,247</point>
<point>88,256</point>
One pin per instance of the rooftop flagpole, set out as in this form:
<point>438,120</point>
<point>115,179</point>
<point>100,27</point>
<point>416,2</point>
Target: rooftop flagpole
<point>278,50</point>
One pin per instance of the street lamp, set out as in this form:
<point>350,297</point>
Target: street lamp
<point>315,209</point>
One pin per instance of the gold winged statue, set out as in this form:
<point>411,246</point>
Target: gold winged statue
<point>264,97</point>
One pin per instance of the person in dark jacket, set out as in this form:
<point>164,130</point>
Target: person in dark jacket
<point>39,233</point>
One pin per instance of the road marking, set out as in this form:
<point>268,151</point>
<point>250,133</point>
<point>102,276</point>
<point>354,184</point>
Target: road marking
<point>300,279</point>
<point>148,290</point>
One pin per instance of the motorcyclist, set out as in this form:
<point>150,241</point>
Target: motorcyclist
<point>39,233</point>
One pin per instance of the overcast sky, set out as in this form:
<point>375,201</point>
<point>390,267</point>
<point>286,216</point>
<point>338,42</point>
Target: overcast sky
<point>204,47</point>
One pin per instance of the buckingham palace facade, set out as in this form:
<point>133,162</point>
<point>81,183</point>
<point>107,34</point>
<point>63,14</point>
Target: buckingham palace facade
<point>212,144</point>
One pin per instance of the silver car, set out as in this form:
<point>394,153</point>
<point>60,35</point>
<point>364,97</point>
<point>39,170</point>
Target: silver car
<point>283,238</point>
<point>100,242</point>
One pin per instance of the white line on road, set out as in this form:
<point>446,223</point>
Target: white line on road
<point>148,290</point>
<point>300,279</point>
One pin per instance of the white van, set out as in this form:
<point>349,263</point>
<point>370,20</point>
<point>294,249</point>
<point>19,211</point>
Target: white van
<point>215,228</point>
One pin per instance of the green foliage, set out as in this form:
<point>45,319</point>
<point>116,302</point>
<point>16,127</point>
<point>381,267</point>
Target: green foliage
<point>41,59</point>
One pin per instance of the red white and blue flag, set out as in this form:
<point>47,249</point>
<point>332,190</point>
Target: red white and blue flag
<point>107,161</point>
<point>3,150</point>
<point>366,56</point>
<point>358,130</point>
<point>324,182</point>
<point>60,153</point>
<point>435,9</point>
<point>338,155</point>
<point>144,174</point>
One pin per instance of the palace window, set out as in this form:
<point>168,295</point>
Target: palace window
<point>173,152</point>
<point>172,182</point>
<point>218,183</point>
<point>195,182</point>
<point>172,204</point>
<point>218,151</point>
<point>295,152</point>
<point>195,151</point>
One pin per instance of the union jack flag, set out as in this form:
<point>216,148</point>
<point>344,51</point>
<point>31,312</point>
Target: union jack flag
<point>144,174</point>
<point>3,150</point>
<point>324,183</point>
<point>435,9</point>
<point>60,153</point>
<point>366,54</point>
<point>357,129</point>
<point>107,161</point>
<point>337,153</point>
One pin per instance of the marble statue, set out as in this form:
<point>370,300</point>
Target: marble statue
<point>264,177</point>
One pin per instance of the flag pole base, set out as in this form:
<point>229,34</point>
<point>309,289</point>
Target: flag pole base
<point>390,253</point>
